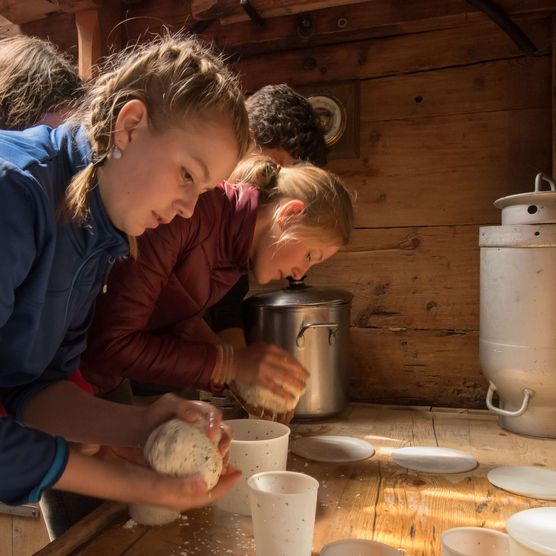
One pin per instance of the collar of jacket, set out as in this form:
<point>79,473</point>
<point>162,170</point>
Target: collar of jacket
<point>100,233</point>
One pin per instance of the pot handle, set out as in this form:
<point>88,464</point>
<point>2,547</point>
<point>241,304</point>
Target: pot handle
<point>527,395</point>
<point>538,182</point>
<point>332,328</point>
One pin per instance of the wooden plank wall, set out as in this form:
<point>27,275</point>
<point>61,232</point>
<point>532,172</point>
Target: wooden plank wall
<point>450,120</point>
<point>452,116</point>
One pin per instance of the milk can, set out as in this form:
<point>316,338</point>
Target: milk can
<point>313,325</point>
<point>518,311</point>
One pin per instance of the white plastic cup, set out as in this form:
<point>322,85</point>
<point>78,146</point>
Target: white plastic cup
<point>474,541</point>
<point>358,547</point>
<point>257,446</point>
<point>283,508</point>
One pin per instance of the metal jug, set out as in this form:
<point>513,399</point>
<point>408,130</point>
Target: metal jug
<point>518,311</point>
<point>313,325</point>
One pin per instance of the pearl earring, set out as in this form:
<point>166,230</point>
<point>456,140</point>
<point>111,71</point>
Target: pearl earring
<point>116,153</point>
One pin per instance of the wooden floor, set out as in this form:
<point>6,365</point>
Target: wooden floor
<point>374,499</point>
<point>21,536</point>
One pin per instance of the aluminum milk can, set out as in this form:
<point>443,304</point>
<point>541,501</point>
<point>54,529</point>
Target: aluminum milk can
<point>518,311</point>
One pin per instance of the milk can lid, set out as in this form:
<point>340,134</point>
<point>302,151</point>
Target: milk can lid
<point>536,197</point>
<point>297,293</point>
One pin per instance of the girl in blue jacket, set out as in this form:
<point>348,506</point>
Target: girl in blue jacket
<point>164,123</point>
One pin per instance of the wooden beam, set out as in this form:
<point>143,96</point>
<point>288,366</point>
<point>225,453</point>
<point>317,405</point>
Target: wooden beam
<point>98,33</point>
<point>205,9</point>
<point>89,528</point>
<point>20,12</point>
<point>230,11</point>
<point>380,18</point>
<point>333,25</point>
<point>89,41</point>
<point>553,96</point>
<point>405,53</point>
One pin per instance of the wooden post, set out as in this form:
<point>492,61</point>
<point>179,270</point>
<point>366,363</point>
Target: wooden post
<point>554,96</point>
<point>99,32</point>
<point>89,41</point>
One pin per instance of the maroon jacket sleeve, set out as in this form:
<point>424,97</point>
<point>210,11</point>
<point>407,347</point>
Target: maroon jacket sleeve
<point>120,342</point>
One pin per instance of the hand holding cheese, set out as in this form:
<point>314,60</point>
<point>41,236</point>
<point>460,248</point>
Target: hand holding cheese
<point>179,449</point>
<point>267,376</point>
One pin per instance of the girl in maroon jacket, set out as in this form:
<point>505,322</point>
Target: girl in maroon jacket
<point>277,222</point>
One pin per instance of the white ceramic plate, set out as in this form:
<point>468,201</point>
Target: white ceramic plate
<point>535,528</point>
<point>431,459</point>
<point>535,482</point>
<point>332,449</point>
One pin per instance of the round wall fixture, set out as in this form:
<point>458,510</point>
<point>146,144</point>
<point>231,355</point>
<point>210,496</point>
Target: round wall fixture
<point>332,115</point>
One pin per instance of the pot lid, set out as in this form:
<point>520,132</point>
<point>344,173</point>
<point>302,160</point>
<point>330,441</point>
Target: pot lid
<point>297,293</point>
<point>536,197</point>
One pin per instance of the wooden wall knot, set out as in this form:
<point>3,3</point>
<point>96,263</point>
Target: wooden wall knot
<point>410,243</point>
<point>305,26</point>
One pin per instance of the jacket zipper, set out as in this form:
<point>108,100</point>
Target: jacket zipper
<point>76,276</point>
<point>111,261</point>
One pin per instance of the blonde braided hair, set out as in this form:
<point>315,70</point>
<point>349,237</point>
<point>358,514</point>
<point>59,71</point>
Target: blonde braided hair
<point>174,76</point>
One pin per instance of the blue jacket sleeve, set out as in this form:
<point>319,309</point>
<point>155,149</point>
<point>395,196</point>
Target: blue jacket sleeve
<point>18,248</point>
<point>65,362</point>
<point>30,461</point>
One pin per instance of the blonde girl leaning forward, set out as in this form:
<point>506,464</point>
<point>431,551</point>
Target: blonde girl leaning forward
<point>276,222</point>
<point>164,123</point>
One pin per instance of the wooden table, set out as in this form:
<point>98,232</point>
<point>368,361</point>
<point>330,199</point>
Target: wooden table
<point>374,499</point>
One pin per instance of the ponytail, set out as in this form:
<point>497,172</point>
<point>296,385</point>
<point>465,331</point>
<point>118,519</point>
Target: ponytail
<point>260,171</point>
<point>328,204</point>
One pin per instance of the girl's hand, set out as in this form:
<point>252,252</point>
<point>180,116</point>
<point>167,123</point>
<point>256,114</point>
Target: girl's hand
<point>170,406</point>
<point>186,493</point>
<point>110,476</point>
<point>261,412</point>
<point>268,365</point>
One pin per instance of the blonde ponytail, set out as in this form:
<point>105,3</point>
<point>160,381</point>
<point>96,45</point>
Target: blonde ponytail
<point>328,204</point>
<point>260,171</point>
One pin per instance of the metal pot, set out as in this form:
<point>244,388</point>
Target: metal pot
<point>518,312</point>
<point>313,325</point>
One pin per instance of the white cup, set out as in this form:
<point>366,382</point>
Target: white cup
<point>357,547</point>
<point>474,541</point>
<point>283,507</point>
<point>257,445</point>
